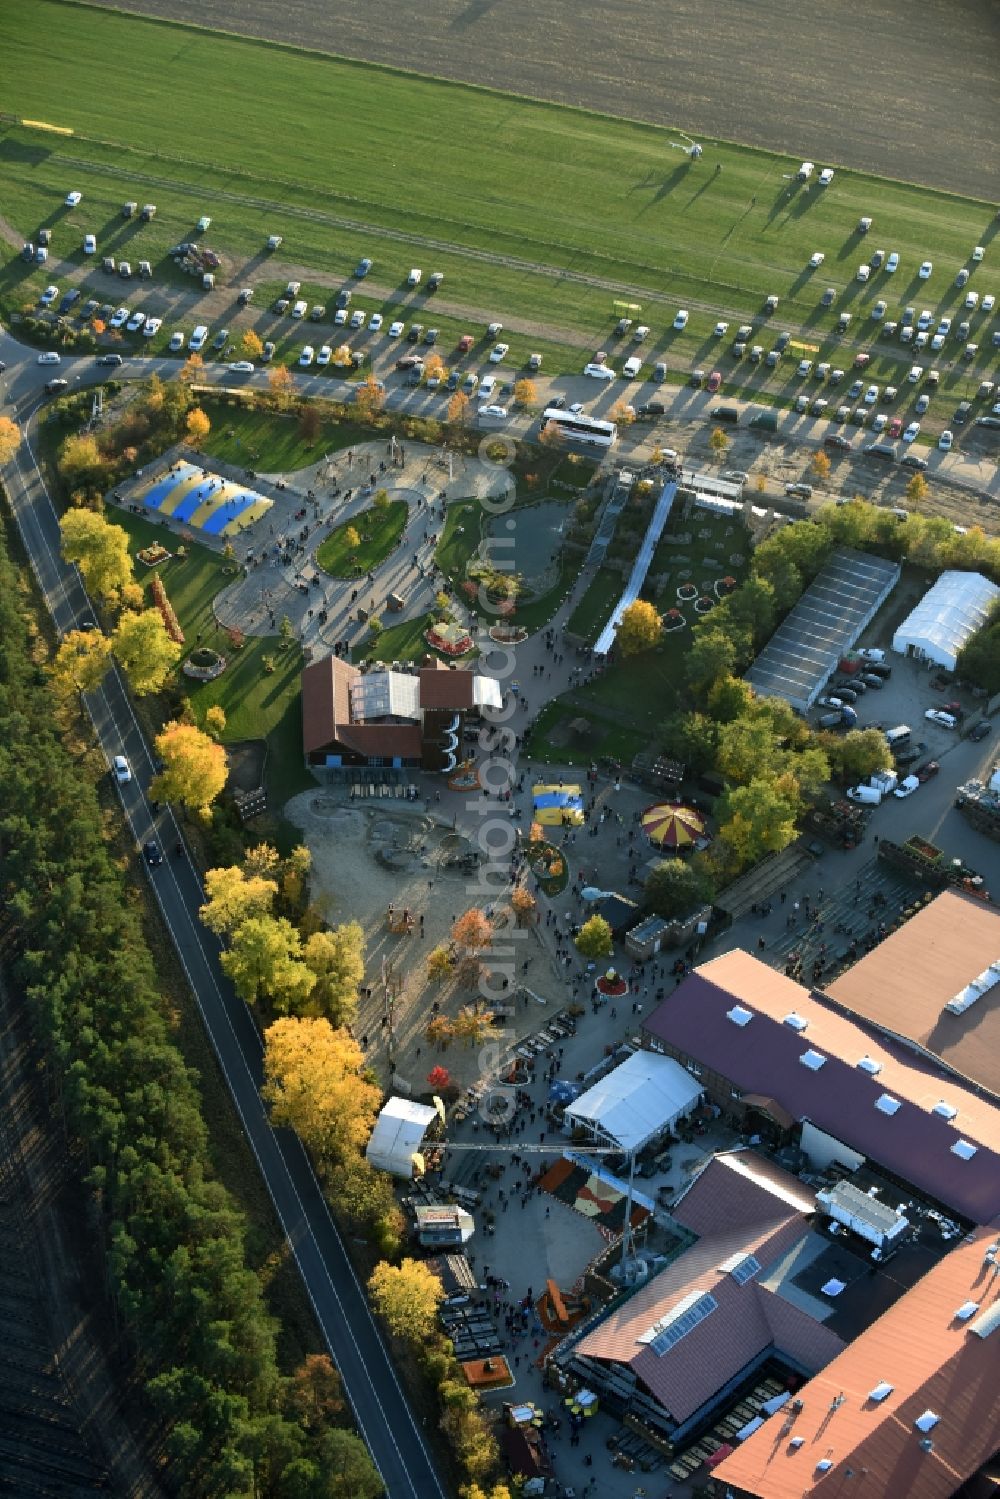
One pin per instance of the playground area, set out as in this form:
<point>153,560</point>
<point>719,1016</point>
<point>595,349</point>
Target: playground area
<point>203,500</point>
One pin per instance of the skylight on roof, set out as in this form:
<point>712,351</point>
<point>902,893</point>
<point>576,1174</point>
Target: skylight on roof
<point>881,1390</point>
<point>987,1321</point>
<point>739,1016</point>
<point>814,1060</point>
<point>972,991</point>
<point>946,1110</point>
<point>868,1064</point>
<point>886,1104</point>
<point>748,1267</point>
<point>964,1149</point>
<point>824,1465</point>
<point>797,1022</point>
<point>927,1421</point>
<point>966,1310</point>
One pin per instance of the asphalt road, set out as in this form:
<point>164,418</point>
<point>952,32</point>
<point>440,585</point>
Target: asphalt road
<point>377,1399</point>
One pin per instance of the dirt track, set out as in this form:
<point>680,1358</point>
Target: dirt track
<point>909,91</point>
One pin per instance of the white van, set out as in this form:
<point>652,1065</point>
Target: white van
<point>868,796</point>
<point>413,279</point>
<point>898,736</point>
<point>631,367</point>
<point>805,171</point>
<point>198,338</point>
<point>487,386</point>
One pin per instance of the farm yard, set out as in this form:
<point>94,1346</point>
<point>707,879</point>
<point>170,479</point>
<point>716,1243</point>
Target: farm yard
<point>921,85</point>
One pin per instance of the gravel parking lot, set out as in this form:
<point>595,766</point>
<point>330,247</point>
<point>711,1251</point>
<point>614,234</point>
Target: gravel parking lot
<point>880,85</point>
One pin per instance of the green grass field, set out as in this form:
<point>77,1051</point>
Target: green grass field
<point>379,530</point>
<point>257,704</point>
<point>370,161</point>
<point>271,442</point>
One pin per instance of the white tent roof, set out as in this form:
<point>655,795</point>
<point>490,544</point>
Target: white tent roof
<point>638,1100</point>
<point>955,608</point>
<point>397,1136</point>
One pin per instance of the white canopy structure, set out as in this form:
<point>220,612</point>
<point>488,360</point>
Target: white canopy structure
<point>637,1101</point>
<point>956,607</point>
<point>398,1135</point>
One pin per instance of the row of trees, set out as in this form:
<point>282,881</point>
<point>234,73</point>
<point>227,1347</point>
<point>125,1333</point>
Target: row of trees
<point>182,1291</point>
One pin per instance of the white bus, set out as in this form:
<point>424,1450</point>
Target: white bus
<point>586,429</point>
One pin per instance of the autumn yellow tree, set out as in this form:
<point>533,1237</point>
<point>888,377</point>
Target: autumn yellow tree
<point>439,1031</point>
<point>551,435</point>
<point>473,931</point>
<point>314,1083</point>
<point>281,386</point>
<point>336,958</point>
<point>524,905</point>
<point>145,650</point>
<point>433,367</point>
<point>192,369</point>
<point>80,460</point>
<point>251,345</point>
<point>10,438</point>
<point>622,413</point>
<point>215,721</point>
<point>458,407</point>
<point>820,465</point>
<point>369,398</point>
<point>80,662</point>
<point>380,500</point>
<point>262,858</point>
<point>198,427</point>
<point>194,770</point>
<point>233,897</point>
<point>640,629</point>
<point>917,489</point>
<point>99,549</point>
<point>406,1297</point>
<point>719,443</point>
<point>440,964</point>
<point>594,939</point>
<point>264,961</point>
<point>472,1024</point>
<point>352,537</point>
<point>525,392</point>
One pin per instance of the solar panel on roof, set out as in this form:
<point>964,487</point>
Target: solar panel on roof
<point>683,1324</point>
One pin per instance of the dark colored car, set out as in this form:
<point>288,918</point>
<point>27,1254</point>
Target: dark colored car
<point>651,408</point>
<point>962,413</point>
<point>114,359</point>
<point>878,669</point>
<point>152,854</point>
<point>981,729</point>
<point>842,444</point>
<point>557,403</point>
<point>924,772</point>
<point>344,298</point>
<point>907,756</point>
<point>871,680</point>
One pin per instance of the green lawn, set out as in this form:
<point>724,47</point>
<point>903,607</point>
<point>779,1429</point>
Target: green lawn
<point>403,642</point>
<point>272,442</point>
<point>667,232</point>
<point>379,528</point>
<point>460,536</point>
<point>594,609</point>
<point>257,704</point>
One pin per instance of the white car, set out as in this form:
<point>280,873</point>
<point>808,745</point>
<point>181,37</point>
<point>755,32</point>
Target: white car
<point>805,365</point>
<point>938,716</point>
<point>499,352</point>
<point>892,264</point>
<point>49,357</point>
<point>945,441</point>
<point>972,300</point>
<point>375,322</point>
<point>878,311</point>
<point>48,296</point>
<point>907,787</point>
<point>300,309</point>
<point>119,317</point>
<point>922,404</point>
<point>989,302</point>
<point>720,330</point>
<point>924,320</point>
<point>357,318</point>
<point>340,317</point>
<point>176,341</point>
<point>497,413</point>
<point>242,367</point>
<point>325,355</point>
<point>925,270</point>
<point>816,259</point>
<point>599,371</point>
<point>916,370</point>
<point>487,386</point>
<point>871,395</point>
<point>396,329</point>
<point>122,769</point>
<point>978,253</point>
<point>135,322</point>
<point>681,320</point>
<point>576,409</point>
<point>151,327</point>
<point>864,271</point>
<point>944,326</point>
<point>89,244</point>
<point>880,422</point>
<point>911,432</point>
<point>72,199</point>
<point>826,177</point>
<point>308,355</point>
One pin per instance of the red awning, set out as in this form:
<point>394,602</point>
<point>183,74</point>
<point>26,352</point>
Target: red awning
<point>718,1455</point>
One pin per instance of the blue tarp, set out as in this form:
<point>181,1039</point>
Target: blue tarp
<point>572,801</point>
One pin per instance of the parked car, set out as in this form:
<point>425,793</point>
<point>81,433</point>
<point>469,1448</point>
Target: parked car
<point>981,729</point>
<point>938,716</point>
<point>926,771</point>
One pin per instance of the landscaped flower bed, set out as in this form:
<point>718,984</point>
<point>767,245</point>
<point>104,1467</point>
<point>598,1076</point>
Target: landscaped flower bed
<point>152,556</point>
<point>686,592</point>
<point>673,620</point>
<point>204,665</point>
<point>548,864</point>
<point>704,604</point>
<point>166,609</point>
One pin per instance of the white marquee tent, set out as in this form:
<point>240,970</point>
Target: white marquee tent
<point>398,1135</point>
<point>955,608</point>
<point>637,1101</point>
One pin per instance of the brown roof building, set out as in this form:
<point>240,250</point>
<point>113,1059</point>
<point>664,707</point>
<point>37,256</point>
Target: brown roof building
<point>764,1047</point>
<point>911,1408</point>
<point>722,1306</point>
<point>936,982</point>
<point>388,718</point>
